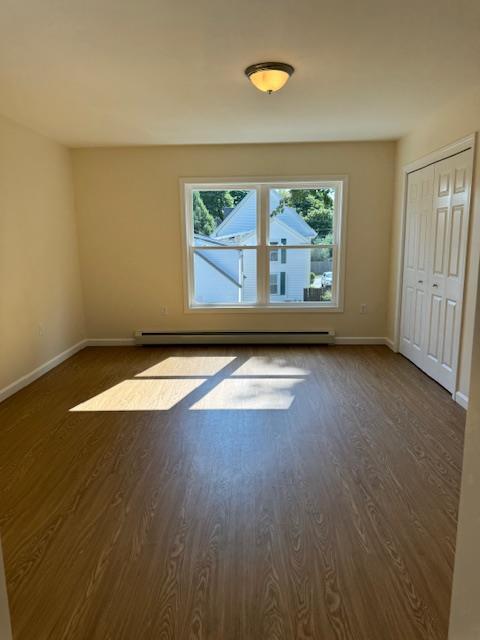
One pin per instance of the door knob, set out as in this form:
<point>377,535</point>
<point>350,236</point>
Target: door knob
<point>435,285</point>
<point>420,282</point>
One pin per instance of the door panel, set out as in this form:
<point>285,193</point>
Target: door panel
<point>434,327</point>
<point>421,253</point>
<point>439,247</point>
<point>443,183</point>
<point>460,182</point>
<point>456,230</point>
<point>434,265</point>
<point>446,277</point>
<point>449,332</point>
<point>419,207</point>
<point>408,314</point>
<point>419,319</point>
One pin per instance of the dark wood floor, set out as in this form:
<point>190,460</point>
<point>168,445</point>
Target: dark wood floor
<point>230,493</point>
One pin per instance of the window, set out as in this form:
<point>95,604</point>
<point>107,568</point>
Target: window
<point>264,245</point>
<point>274,283</point>
<point>273,254</point>
<point>278,284</point>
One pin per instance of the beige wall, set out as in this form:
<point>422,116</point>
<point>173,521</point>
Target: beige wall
<point>129,217</point>
<point>456,120</point>
<point>465,611</point>
<point>40,288</point>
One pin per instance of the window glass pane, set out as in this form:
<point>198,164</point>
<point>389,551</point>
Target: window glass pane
<point>301,216</point>
<point>225,276</point>
<point>305,276</point>
<point>228,216</point>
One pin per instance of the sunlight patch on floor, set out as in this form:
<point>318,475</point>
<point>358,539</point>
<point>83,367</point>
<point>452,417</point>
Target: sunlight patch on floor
<point>249,393</point>
<point>141,395</point>
<point>262,366</point>
<point>187,366</point>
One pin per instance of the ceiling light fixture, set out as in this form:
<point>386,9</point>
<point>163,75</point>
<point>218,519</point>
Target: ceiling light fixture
<point>269,76</point>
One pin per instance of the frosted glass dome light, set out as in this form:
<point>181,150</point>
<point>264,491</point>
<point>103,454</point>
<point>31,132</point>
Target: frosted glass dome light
<point>269,76</point>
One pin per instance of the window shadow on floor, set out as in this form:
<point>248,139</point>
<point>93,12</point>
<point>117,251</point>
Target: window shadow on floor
<point>229,383</point>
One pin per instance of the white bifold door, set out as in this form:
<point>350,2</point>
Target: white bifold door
<point>436,238</point>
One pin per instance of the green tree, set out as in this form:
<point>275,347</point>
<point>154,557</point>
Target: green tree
<point>217,201</point>
<point>238,196</point>
<point>203,221</point>
<point>316,208</point>
<point>304,199</point>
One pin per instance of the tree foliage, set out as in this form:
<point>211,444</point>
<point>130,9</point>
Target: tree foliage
<point>216,202</point>
<point>315,206</point>
<point>237,196</point>
<point>203,221</point>
<point>209,208</point>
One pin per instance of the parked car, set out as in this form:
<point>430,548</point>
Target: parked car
<point>327,279</point>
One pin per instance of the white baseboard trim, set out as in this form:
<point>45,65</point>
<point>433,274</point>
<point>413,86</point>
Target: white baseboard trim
<point>27,379</point>
<point>365,340</point>
<point>125,342</point>
<point>461,399</point>
<point>390,344</point>
<point>110,342</point>
<point>41,370</point>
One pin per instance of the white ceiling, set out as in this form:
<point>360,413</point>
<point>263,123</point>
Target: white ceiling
<point>99,72</point>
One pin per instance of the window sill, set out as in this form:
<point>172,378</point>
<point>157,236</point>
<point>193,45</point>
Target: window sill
<point>271,308</point>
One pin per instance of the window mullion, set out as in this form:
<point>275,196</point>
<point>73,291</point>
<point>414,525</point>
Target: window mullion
<point>336,271</point>
<point>263,283</point>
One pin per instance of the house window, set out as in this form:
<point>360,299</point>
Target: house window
<point>274,253</point>
<point>274,283</point>
<point>246,240</point>
<point>278,283</point>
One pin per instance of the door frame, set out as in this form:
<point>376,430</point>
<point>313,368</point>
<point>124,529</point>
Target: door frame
<point>452,149</point>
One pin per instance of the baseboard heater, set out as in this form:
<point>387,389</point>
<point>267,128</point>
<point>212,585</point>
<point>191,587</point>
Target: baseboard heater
<point>234,337</point>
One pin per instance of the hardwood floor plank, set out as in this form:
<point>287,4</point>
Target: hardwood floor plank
<point>282,492</point>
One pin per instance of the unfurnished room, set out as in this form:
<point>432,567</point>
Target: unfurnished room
<point>239,320</point>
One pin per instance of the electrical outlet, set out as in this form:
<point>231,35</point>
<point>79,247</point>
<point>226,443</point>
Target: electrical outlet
<point>363,308</point>
<point>41,330</point>
<point>163,311</point>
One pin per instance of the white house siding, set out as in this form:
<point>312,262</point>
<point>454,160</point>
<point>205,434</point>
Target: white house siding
<point>242,219</point>
<point>290,217</point>
<point>250,276</point>
<point>227,261</point>
<point>296,267</point>
<point>211,284</point>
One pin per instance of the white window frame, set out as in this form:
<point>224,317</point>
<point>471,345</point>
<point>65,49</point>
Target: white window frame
<point>262,186</point>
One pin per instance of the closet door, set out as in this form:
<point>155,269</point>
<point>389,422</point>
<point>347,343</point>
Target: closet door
<point>447,251</point>
<point>416,268</point>
<point>436,238</point>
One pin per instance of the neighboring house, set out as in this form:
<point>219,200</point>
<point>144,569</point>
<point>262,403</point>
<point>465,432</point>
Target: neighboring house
<point>230,276</point>
<point>219,275</point>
